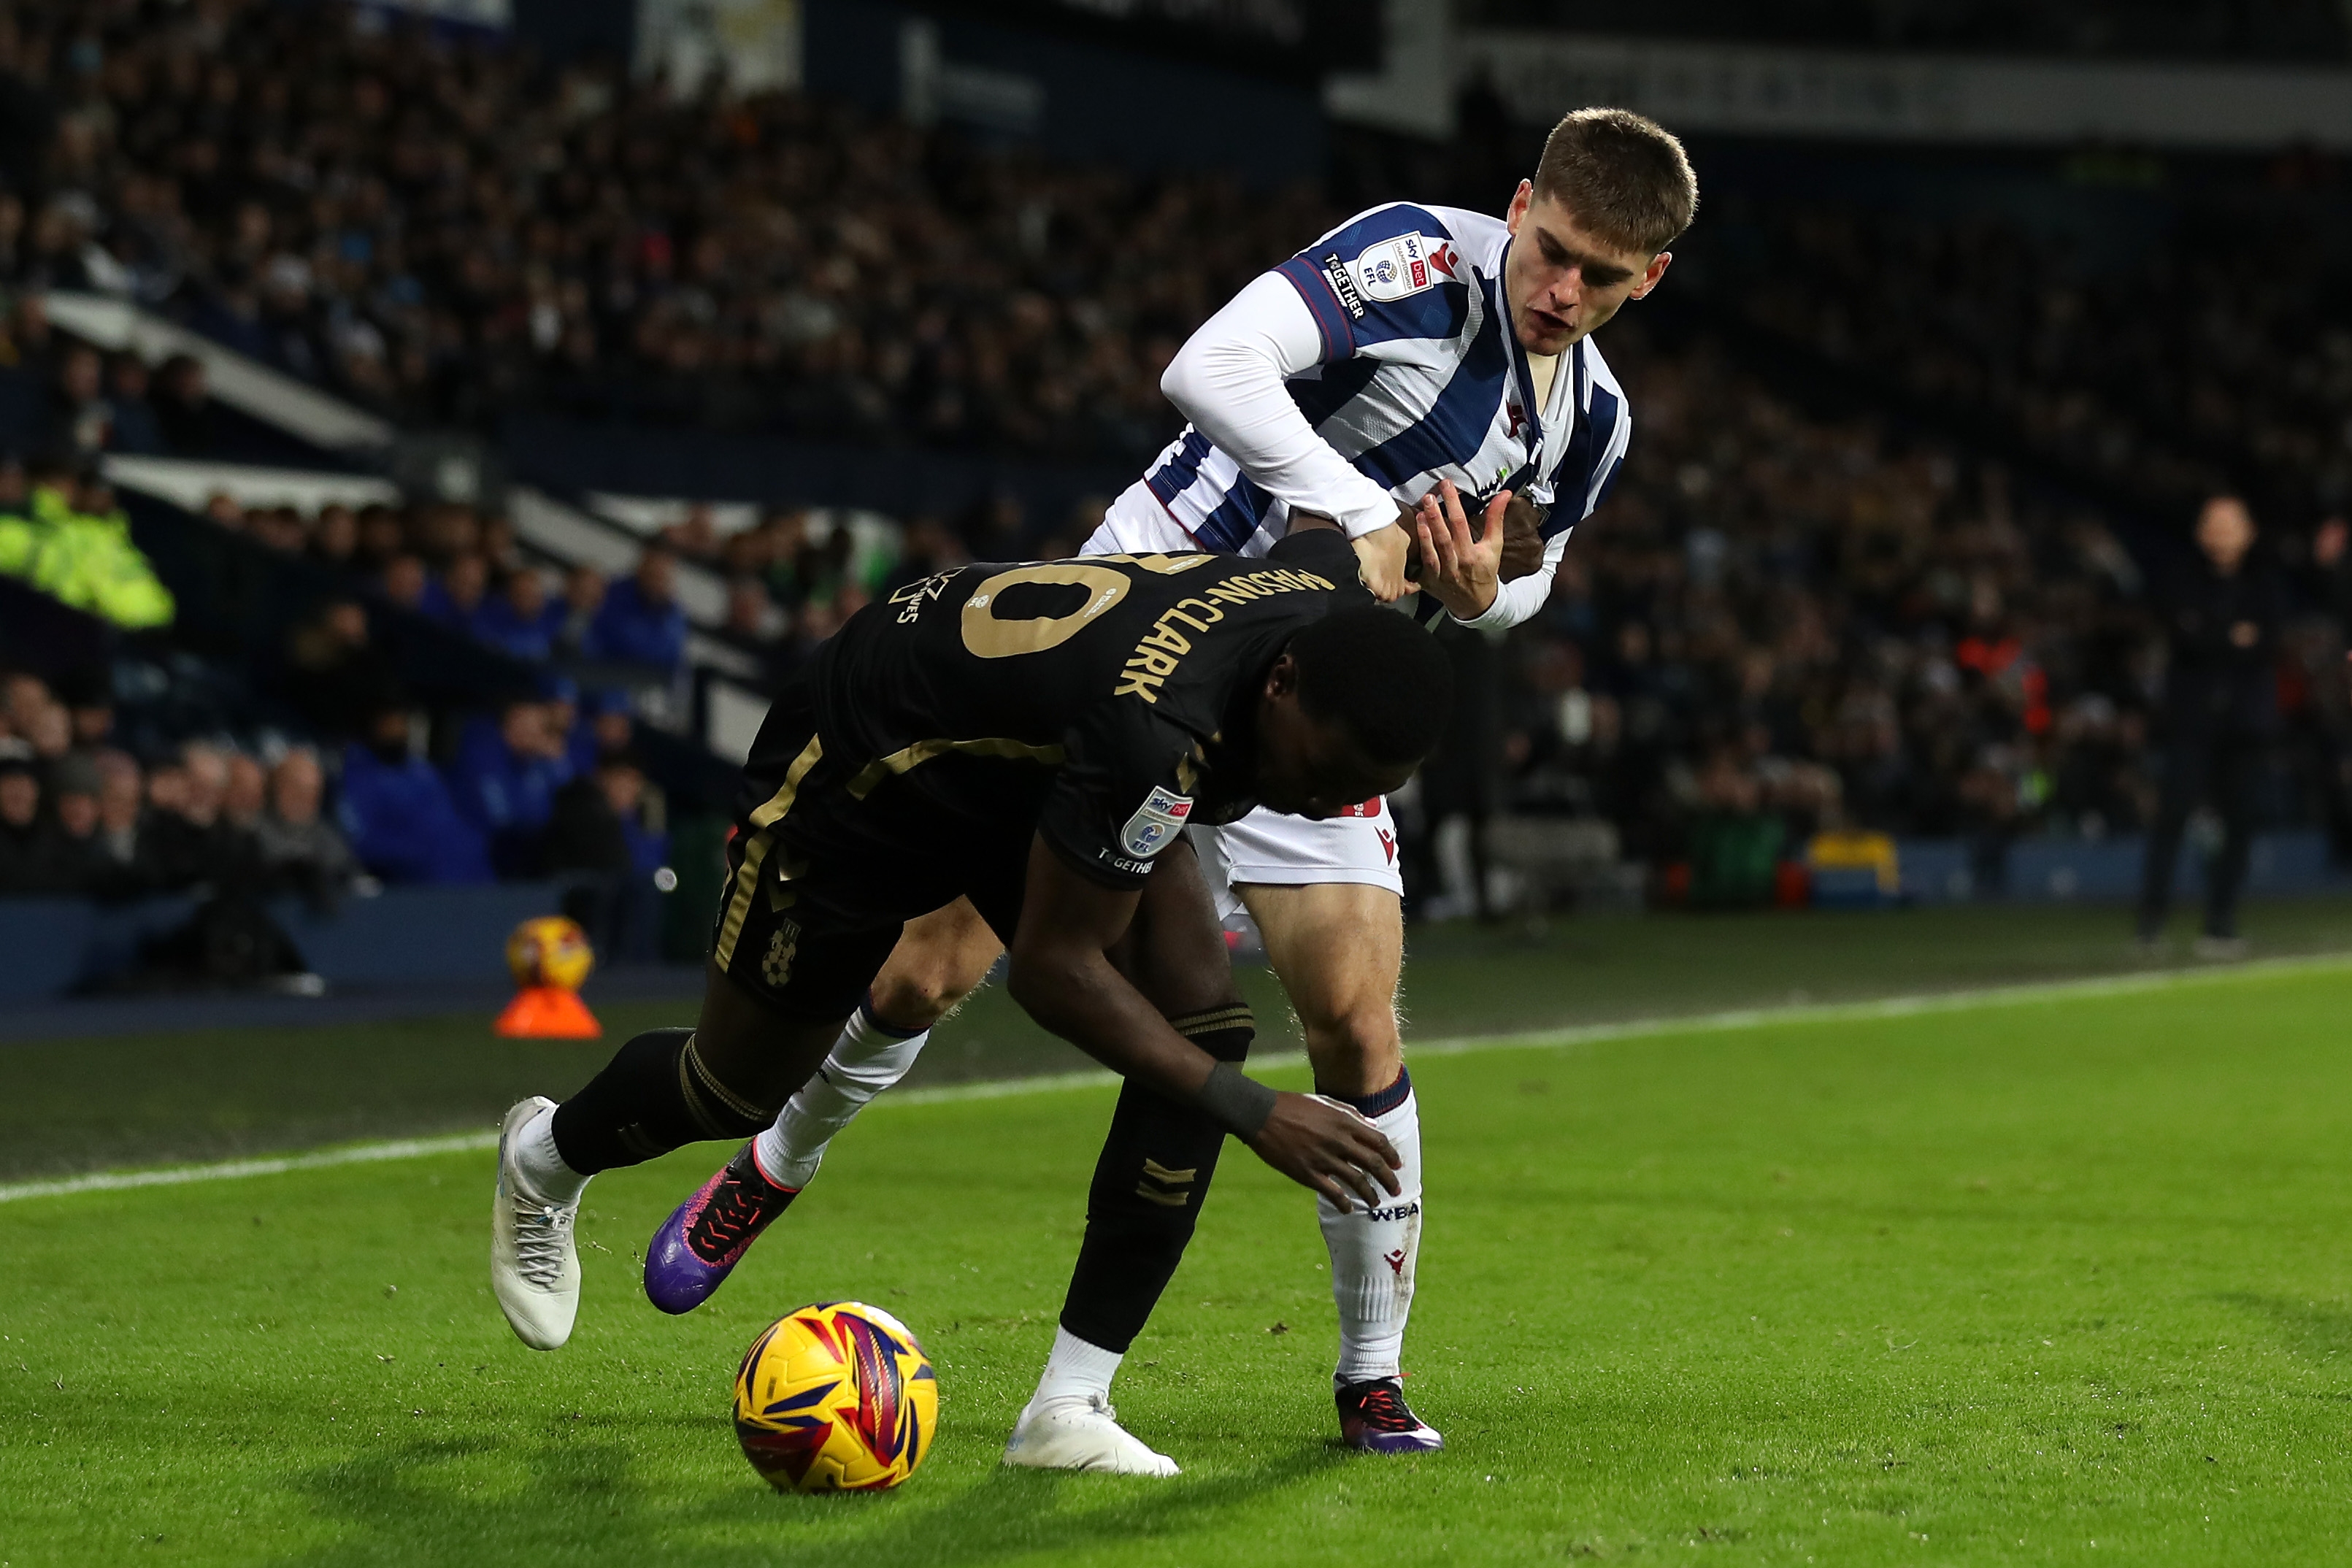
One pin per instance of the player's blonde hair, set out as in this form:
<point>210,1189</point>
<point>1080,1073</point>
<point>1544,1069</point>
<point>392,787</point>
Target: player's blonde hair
<point>1623,176</point>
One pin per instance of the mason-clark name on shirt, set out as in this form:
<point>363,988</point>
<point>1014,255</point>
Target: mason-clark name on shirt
<point>1155,657</point>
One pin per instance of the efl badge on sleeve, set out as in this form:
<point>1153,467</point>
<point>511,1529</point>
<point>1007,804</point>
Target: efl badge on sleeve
<point>1156,822</point>
<point>1400,268</point>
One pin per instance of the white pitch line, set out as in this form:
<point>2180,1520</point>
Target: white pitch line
<point>180,1175</point>
<point>1741,1020</point>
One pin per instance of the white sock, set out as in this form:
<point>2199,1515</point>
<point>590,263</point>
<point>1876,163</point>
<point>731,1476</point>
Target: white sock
<point>1075,1370</point>
<point>869,1057</point>
<point>534,1150</point>
<point>1373,1255</point>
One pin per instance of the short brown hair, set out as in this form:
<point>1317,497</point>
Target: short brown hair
<point>1622,175</point>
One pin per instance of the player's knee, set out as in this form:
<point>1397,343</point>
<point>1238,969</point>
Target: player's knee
<point>1352,1046</point>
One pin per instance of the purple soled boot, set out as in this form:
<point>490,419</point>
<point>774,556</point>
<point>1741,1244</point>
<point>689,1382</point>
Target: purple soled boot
<point>705,1237</point>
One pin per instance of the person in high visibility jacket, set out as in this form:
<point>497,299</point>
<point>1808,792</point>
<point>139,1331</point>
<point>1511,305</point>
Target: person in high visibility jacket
<point>73,542</point>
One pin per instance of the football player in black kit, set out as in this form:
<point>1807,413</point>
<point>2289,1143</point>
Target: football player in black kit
<point>1036,738</point>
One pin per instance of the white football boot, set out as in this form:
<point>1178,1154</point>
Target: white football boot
<point>534,1264</point>
<point>1081,1435</point>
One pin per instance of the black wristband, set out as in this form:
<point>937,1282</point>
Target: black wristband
<point>1236,1100</point>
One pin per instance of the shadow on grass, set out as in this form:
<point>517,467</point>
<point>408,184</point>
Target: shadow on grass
<point>578,1503</point>
<point>2310,1329</point>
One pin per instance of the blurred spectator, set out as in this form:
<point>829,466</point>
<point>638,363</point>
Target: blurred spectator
<point>929,548</point>
<point>504,780</point>
<point>34,856</point>
<point>301,852</point>
<point>382,537</point>
<point>1735,842</point>
<point>135,426</point>
<point>193,842</point>
<point>334,671</point>
<point>518,619</point>
<point>32,344</point>
<point>73,542</point>
<point>87,694</point>
<point>456,595</point>
<point>753,617</point>
<point>606,727</point>
<point>245,794</point>
<point>405,584</point>
<point>599,823</point>
<point>279,527</point>
<point>181,400</point>
<point>80,419</point>
<point>606,826</point>
<point>696,535</point>
<point>584,598</point>
<point>127,866</point>
<point>48,730</point>
<point>396,813</point>
<point>2224,615</point>
<point>74,784</point>
<point>335,536</point>
<point>641,621</point>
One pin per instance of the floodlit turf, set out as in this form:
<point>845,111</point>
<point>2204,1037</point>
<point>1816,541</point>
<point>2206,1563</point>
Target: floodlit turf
<point>2056,1281</point>
<point>82,1104</point>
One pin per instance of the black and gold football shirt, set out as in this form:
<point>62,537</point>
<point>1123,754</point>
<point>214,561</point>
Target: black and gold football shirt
<point>1105,702</point>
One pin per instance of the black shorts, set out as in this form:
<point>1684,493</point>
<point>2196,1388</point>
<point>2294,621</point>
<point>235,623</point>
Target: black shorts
<point>820,882</point>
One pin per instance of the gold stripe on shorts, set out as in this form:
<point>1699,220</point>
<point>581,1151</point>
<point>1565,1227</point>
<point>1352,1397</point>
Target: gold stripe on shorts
<point>755,853</point>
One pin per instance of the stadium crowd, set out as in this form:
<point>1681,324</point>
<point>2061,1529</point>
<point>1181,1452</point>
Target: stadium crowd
<point>2282,30</point>
<point>442,235</point>
<point>1783,623</point>
<point>536,789</point>
<point>1784,620</point>
<point>2220,358</point>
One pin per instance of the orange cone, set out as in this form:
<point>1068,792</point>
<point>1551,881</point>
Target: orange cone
<point>549,1013</point>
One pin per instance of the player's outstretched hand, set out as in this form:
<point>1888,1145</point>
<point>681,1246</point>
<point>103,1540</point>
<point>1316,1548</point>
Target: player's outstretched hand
<point>1382,554</point>
<point>1464,572</point>
<point>1322,1145</point>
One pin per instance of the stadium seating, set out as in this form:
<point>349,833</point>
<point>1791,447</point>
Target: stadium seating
<point>1881,561</point>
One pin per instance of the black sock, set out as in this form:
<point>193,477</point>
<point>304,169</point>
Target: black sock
<point>1148,1189</point>
<point>654,1096</point>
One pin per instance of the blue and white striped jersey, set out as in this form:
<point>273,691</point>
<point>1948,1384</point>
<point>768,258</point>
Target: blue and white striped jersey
<point>1418,378</point>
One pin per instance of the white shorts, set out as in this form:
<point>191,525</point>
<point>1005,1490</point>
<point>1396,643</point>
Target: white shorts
<point>1295,851</point>
<point>1265,846</point>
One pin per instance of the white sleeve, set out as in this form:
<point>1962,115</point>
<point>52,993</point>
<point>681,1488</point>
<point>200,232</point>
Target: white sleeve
<point>1519,601</point>
<point>1228,380</point>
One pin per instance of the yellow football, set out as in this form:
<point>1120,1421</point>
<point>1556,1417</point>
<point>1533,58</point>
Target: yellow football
<point>549,950</point>
<point>836,1397</point>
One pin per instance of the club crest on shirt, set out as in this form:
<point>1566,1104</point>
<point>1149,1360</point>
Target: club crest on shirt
<point>1156,822</point>
<point>1396,268</point>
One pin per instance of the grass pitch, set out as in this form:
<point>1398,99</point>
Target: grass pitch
<point>2051,1281</point>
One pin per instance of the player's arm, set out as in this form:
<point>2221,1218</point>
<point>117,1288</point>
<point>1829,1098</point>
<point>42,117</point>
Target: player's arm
<point>1230,379</point>
<point>1319,545</point>
<point>1061,973</point>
